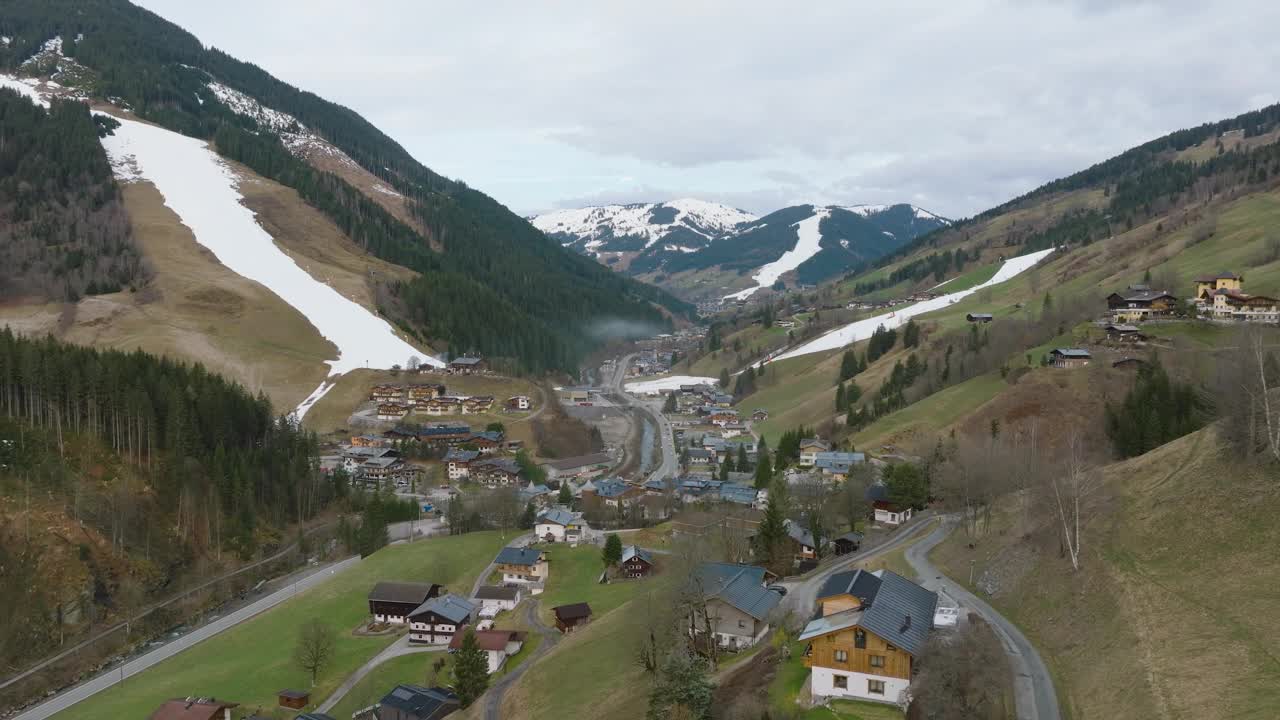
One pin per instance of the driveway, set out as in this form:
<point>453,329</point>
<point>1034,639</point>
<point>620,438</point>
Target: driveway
<point>396,649</point>
<point>518,541</point>
<point>492,698</point>
<point>1034,694</point>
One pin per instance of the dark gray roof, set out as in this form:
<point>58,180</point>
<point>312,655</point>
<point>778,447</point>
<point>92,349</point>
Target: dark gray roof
<point>800,534</point>
<point>401,592</point>
<point>572,611</point>
<point>451,607</point>
<point>858,583</point>
<point>631,551</point>
<point>902,612</point>
<point>741,586</point>
<point>497,592</point>
<point>1072,352</point>
<point>420,702</point>
<point>558,516</point>
<point>518,556</point>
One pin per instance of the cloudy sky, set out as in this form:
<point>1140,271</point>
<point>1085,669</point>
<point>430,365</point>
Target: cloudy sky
<point>954,106</point>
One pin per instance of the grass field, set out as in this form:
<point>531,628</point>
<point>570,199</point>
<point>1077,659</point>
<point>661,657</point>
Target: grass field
<point>574,578</point>
<point>852,710</point>
<point>252,661</point>
<point>417,669</point>
<point>973,278</point>
<point>934,412</point>
<point>1175,578</point>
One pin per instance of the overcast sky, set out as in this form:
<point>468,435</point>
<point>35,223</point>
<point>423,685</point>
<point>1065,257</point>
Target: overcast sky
<point>954,106</point>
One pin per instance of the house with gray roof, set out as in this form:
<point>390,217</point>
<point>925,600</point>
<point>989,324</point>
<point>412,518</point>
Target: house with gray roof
<point>414,702</point>
<point>737,603</point>
<point>560,525</point>
<point>522,565</point>
<point>869,630</point>
<point>1069,357</point>
<point>636,561</point>
<point>436,620</point>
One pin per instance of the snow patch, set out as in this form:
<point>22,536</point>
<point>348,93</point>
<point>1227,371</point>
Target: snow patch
<point>667,383</point>
<point>25,87</point>
<point>200,187</point>
<point>52,48</point>
<point>844,244</point>
<point>299,140</point>
<point>600,222</point>
<point>808,243</point>
<point>379,187</point>
<point>865,210</point>
<point>862,329</point>
<point>5,40</point>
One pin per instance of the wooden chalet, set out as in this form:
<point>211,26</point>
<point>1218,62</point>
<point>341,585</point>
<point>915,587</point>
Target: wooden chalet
<point>636,562</point>
<point>468,366</point>
<point>847,543</point>
<point>386,393</point>
<point>392,411</point>
<point>570,617</point>
<point>1068,358</point>
<point>193,708</point>
<point>979,317</point>
<point>391,602</point>
<point>293,699</point>
<point>438,619</point>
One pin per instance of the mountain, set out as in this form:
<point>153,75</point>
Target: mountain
<point>688,245</point>
<point>449,268</point>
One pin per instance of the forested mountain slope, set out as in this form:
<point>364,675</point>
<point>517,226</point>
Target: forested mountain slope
<point>485,279</point>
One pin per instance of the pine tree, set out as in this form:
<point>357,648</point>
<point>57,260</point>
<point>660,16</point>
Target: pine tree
<point>771,538</point>
<point>724,378</point>
<point>565,496</point>
<point>529,518</point>
<point>764,469</point>
<point>470,670</point>
<point>682,691</point>
<point>743,464</point>
<point>669,406</point>
<point>841,405</point>
<point>848,365</point>
<point>611,555</point>
<point>726,467</point>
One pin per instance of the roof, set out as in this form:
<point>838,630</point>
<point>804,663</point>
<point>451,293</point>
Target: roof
<point>1142,294</point>
<point>518,556</point>
<point>1071,352</point>
<point>901,612</point>
<point>465,361</point>
<point>402,592</point>
<point>980,315</point>
<point>858,583</point>
<point>294,694</point>
<point>1219,276</point>
<point>1120,327</point>
<point>741,586</point>
<point>497,592</point>
<point>574,463</point>
<point>506,465</point>
<point>192,708</point>
<point>419,701</point>
<point>451,607</point>
<point>814,442</point>
<point>558,516</point>
<point>573,611</point>
<point>742,494</point>
<point>492,640</point>
<point>631,551</point>
<point>850,536</point>
<point>800,534</point>
<point>458,455</point>
<point>612,487</point>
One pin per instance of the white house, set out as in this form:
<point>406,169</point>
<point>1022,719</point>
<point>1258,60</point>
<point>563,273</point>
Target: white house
<point>558,525</point>
<point>493,599</point>
<point>498,645</point>
<point>809,449</point>
<point>438,619</point>
<point>458,463</point>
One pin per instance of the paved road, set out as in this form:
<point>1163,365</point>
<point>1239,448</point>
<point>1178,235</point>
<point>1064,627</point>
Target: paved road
<point>1034,694</point>
<point>802,593</point>
<point>396,649</point>
<point>550,636</point>
<point>115,675</point>
<point>670,464</point>
<point>518,541</point>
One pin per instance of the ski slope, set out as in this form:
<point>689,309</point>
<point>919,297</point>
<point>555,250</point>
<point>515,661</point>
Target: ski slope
<point>862,329</point>
<point>653,387</point>
<point>808,243</point>
<point>201,189</point>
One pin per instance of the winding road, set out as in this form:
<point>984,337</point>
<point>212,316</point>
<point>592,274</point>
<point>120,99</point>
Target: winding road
<point>550,636</point>
<point>1034,695</point>
<point>670,464</point>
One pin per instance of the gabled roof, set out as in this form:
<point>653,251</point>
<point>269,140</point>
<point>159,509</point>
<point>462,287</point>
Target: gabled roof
<point>451,607</point>
<point>611,487</point>
<point>459,455</point>
<point>1122,328</point>
<point>800,534</point>
<point>858,583</point>
<point>631,551</point>
<point>814,442</point>
<point>491,640</point>
<point>741,586</point>
<point>901,613</point>
<point>557,516</point>
<point>497,592</point>
<point>1219,276</point>
<point>741,494</point>
<point>194,708</point>
<point>402,592</point>
<point>851,537</point>
<point>1071,352</point>
<point>573,611</point>
<point>518,556</point>
<point>419,701</point>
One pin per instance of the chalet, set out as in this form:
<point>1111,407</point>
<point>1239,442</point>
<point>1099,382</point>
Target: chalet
<point>614,492</point>
<point>193,708</point>
<point>293,699</point>
<point>1124,333</point>
<point>885,511</point>
<point>384,468</point>
<point>1139,302</point>
<point>577,395</point>
<point>498,645</point>
<point>558,525</point>
<point>836,465</point>
<point>1068,358</point>
<point>847,543</point>
<point>443,405</point>
<point>493,599</point>
<point>737,602</point>
<point>355,456</point>
<point>477,404</point>
<point>386,393</point>
<point>519,402</point>
<point>1240,306</point>
<point>487,442</point>
<point>979,317</point>
<point>1129,364</point>
<point>496,472</point>
<point>809,449</point>
<point>414,702</point>
<point>467,366</point>
<point>420,395</point>
<point>391,602</point>
<point>722,417</point>
<point>803,545</point>
<point>392,411</point>
<point>700,456</point>
<point>441,435</point>
<point>539,495</point>
<point>436,620</point>
<point>636,561</point>
<point>737,494</point>
<point>372,441</point>
<point>458,463</point>
<point>864,643</point>
<point>694,488</point>
<point>759,416</point>
<point>570,617</point>
<point>1206,286</point>
<point>522,565</point>
<point>575,468</point>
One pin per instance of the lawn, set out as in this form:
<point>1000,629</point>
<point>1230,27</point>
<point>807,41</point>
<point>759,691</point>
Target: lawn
<point>249,663</point>
<point>934,412</point>
<point>788,681</point>
<point>853,710</point>
<point>417,669</point>
<point>575,573</point>
<point>973,278</point>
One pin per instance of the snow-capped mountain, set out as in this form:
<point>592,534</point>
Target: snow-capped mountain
<point>683,225</point>
<point>671,243</point>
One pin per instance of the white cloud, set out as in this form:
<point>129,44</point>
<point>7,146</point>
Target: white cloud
<point>956,106</point>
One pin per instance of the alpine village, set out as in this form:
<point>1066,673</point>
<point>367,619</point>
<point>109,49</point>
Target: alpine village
<point>294,427</point>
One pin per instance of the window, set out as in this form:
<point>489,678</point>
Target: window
<point>842,656</point>
<point>877,661</point>
<point>742,623</point>
<point>875,687</point>
<point>841,682</point>
<point>889,647</point>
<point>860,639</point>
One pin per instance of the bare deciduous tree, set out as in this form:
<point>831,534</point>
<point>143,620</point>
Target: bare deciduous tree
<point>315,648</point>
<point>1069,489</point>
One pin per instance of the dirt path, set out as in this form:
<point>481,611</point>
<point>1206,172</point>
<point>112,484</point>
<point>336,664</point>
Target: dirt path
<point>550,636</point>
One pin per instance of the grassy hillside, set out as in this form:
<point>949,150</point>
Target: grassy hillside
<point>1178,577</point>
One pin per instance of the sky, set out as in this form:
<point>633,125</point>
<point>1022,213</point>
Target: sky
<point>953,106</point>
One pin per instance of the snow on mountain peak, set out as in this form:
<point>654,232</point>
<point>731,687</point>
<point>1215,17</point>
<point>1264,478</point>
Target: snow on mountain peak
<point>650,221</point>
